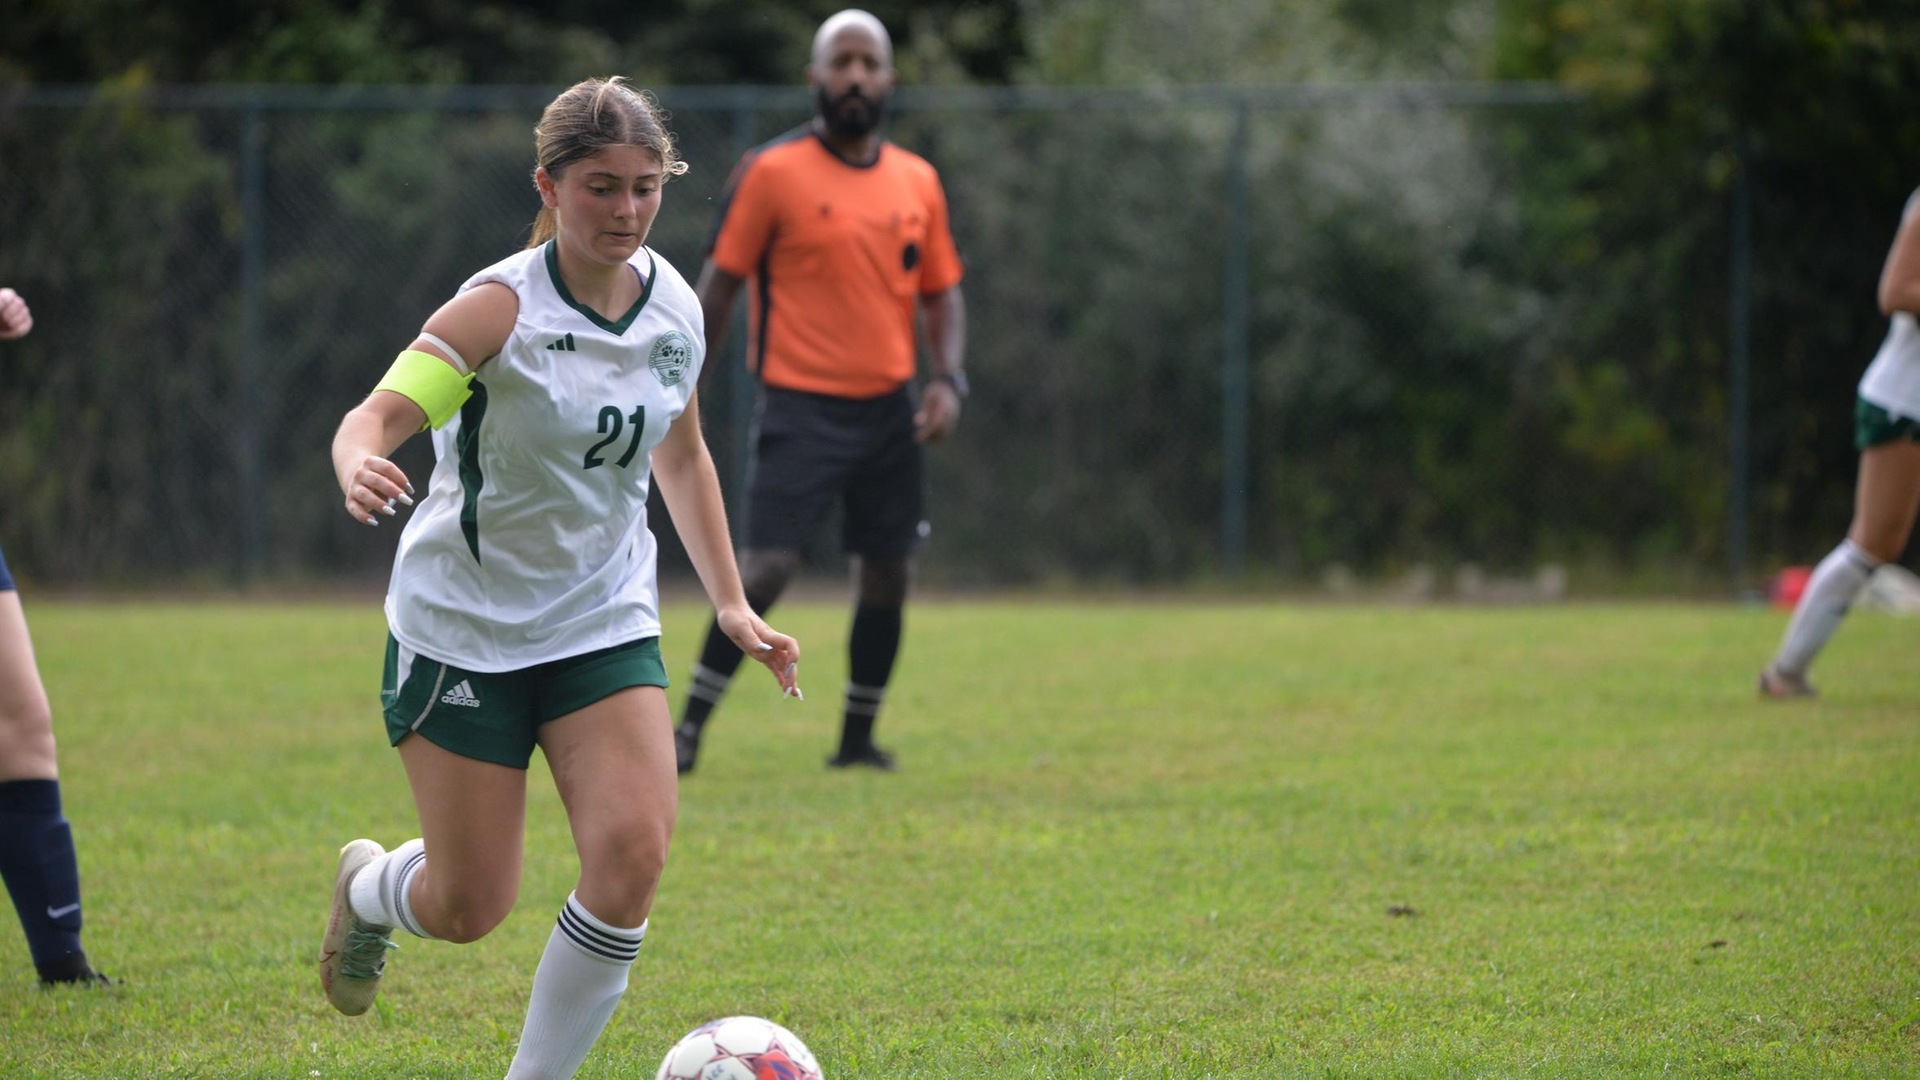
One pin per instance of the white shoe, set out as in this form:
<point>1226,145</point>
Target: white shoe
<point>353,954</point>
<point>1780,686</point>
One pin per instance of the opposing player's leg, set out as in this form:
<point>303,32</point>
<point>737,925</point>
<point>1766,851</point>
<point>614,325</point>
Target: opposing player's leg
<point>613,763</point>
<point>37,859</point>
<point>1886,497</point>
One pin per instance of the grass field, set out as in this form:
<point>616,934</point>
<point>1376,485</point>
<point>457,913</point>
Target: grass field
<point>1162,840</point>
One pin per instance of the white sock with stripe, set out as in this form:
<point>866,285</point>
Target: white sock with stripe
<point>582,975</point>
<point>382,892</point>
<point>1829,593</point>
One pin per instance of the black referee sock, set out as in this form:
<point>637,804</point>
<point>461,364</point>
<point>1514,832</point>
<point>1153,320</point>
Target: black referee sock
<point>42,875</point>
<point>719,659</point>
<point>872,646</point>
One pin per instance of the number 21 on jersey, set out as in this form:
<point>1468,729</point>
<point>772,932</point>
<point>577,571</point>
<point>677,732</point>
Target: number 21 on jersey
<point>612,423</point>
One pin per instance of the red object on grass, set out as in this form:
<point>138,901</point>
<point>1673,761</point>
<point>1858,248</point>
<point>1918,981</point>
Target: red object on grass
<point>1787,586</point>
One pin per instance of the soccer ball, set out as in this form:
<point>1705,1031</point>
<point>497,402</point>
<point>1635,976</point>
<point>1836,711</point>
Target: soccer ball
<point>740,1048</point>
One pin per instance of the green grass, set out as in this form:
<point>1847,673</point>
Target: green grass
<point>1162,840</point>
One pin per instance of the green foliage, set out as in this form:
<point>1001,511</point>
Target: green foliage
<point>1172,840</point>
<point>487,41</point>
<point>1495,335</point>
<point>1810,98</point>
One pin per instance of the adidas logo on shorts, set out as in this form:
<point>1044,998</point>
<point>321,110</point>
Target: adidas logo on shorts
<point>461,694</point>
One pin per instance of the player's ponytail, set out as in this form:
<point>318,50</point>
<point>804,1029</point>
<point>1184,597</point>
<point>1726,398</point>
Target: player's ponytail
<point>543,227</point>
<point>588,117</point>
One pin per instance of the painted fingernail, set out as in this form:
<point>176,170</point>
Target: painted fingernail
<point>388,510</point>
<point>405,499</point>
<point>371,520</point>
<point>764,647</point>
<point>793,667</point>
<point>409,489</point>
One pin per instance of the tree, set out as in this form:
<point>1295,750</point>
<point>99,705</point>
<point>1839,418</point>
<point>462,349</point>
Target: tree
<point>1812,99</point>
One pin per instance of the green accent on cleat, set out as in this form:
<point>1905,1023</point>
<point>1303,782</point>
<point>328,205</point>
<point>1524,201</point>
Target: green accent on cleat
<point>353,954</point>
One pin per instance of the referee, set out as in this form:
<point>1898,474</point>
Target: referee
<point>841,240</point>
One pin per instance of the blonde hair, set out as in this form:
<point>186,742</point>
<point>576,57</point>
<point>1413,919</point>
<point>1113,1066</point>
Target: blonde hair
<point>590,116</point>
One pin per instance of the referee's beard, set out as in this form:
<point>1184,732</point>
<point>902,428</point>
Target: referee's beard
<point>852,115</point>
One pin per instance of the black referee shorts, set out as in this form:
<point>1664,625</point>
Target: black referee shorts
<point>811,450</point>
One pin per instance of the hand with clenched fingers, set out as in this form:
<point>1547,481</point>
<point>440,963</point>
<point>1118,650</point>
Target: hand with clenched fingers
<point>15,318</point>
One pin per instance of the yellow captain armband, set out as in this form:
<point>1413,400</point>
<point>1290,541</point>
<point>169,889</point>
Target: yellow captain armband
<point>429,382</point>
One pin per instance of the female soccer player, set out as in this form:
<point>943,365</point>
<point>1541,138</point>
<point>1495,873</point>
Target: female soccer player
<point>36,843</point>
<point>523,609</point>
<point>1886,421</point>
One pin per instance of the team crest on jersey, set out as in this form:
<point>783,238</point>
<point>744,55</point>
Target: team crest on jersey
<point>671,356</point>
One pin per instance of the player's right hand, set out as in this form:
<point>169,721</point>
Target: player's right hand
<point>939,413</point>
<point>15,318</point>
<point>373,489</point>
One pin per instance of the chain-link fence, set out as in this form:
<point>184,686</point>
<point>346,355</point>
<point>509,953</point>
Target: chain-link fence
<point>1214,333</point>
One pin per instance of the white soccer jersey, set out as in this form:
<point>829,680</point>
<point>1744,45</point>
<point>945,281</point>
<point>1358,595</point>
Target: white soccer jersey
<point>532,542</point>
<point>1892,381</point>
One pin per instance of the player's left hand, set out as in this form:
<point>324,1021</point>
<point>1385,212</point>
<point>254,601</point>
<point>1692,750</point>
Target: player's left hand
<point>780,653</point>
<point>939,412</point>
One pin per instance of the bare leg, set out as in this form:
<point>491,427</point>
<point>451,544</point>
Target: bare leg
<point>1885,499</point>
<point>26,721</point>
<point>613,762</point>
<point>473,819</point>
<point>37,859</point>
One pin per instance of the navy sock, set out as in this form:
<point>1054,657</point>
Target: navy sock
<point>872,646</point>
<point>41,873</point>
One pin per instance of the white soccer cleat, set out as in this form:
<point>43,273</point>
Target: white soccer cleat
<point>353,954</point>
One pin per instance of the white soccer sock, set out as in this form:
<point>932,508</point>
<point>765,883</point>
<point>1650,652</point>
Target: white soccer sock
<point>1829,593</point>
<point>382,892</point>
<point>581,976</point>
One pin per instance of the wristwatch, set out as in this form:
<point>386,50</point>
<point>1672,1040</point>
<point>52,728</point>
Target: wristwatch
<point>955,379</point>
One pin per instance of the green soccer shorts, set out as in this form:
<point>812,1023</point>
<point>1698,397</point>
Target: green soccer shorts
<point>1873,425</point>
<point>496,716</point>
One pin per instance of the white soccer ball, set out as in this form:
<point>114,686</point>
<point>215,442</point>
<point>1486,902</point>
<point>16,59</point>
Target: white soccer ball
<point>740,1048</point>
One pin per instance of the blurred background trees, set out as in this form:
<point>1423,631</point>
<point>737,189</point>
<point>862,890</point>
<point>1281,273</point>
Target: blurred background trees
<point>1497,335</point>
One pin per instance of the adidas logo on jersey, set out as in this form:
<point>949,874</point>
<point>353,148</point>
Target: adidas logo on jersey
<point>461,694</point>
<point>564,344</point>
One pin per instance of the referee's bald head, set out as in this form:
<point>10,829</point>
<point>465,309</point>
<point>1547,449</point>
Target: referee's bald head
<point>851,18</point>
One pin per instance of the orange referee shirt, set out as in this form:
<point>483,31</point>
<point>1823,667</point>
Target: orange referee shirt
<point>836,257</point>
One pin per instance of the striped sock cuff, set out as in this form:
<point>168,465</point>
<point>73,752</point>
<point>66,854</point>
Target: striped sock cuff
<point>864,700</point>
<point>708,684</point>
<point>401,898</point>
<point>613,944</point>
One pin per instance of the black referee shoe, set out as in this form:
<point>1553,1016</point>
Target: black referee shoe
<point>686,747</point>
<point>871,757</point>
